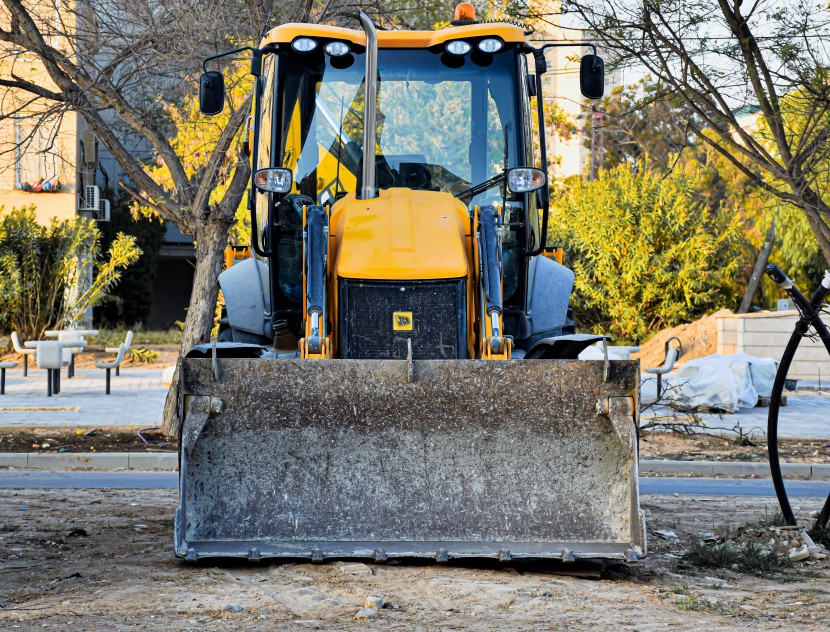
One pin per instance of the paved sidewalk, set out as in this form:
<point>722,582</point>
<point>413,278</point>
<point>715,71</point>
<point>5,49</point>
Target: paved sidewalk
<point>138,396</point>
<point>806,416</point>
<point>137,399</point>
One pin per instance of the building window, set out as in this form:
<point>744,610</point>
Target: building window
<point>37,151</point>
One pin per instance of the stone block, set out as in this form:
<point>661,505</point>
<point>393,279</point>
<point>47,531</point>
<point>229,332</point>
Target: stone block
<point>153,461</point>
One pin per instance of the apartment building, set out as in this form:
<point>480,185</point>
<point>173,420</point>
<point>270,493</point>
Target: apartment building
<point>572,154</point>
<point>48,155</point>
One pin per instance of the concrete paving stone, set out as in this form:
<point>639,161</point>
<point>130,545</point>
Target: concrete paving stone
<point>137,400</point>
<point>805,417</point>
<point>731,468</point>
<point>71,461</point>
<point>675,467</point>
<point>13,459</point>
<point>744,469</point>
<point>153,460</point>
<point>797,469</point>
<point>820,470</point>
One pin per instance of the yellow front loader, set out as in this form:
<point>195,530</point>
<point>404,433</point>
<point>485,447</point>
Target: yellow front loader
<point>396,373</point>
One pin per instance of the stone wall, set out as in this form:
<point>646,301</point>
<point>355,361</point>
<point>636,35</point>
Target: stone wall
<point>765,334</point>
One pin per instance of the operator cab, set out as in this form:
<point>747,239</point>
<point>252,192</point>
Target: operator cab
<point>453,115</point>
<point>446,121</point>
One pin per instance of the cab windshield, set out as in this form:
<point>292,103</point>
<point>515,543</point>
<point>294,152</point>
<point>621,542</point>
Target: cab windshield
<point>444,123</point>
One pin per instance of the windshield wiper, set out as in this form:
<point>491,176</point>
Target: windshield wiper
<point>467,195</point>
<point>328,117</point>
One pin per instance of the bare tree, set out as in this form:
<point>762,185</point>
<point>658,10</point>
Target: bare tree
<point>720,57</point>
<point>119,64</point>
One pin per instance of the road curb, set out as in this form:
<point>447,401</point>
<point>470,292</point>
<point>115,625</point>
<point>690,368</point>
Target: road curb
<point>104,461</point>
<point>733,468</point>
<point>142,461</point>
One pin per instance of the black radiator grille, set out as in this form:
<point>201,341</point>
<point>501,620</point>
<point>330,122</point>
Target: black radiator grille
<point>373,311</point>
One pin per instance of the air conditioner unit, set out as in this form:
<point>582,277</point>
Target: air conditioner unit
<point>103,214</point>
<point>91,199</point>
<point>90,142</point>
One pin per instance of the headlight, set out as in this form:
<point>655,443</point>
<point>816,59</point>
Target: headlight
<point>490,45</point>
<point>273,180</point>
<point>524,179</point>
<point>304,44</point>
<point>458,47</point>
<point>337,49</point>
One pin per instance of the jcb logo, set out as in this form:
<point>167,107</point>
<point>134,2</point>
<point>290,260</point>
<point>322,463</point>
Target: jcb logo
<point>402,321</point>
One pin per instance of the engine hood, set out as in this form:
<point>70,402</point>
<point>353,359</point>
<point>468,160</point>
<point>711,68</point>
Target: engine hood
<point>400,235</point>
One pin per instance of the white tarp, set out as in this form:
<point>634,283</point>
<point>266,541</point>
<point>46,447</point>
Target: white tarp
<point>721,382</point>
<point>763,371</point>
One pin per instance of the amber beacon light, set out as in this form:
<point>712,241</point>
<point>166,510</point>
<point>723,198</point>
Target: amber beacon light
<point>464,11</point>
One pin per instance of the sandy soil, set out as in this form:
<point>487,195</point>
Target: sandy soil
<point>669,445</point>
<point>101,559</point>
<point>699,340</point>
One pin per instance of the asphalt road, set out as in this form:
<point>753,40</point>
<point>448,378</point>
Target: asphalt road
<point>169,480</point>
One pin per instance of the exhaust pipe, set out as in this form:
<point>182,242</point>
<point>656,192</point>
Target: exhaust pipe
<point>368,188</point>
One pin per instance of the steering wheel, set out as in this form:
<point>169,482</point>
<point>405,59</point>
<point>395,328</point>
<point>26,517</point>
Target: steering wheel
<point>417,176</point>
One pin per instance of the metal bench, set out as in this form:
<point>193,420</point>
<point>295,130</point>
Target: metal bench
<point>22,351</point>
<point>3,367</point>
<point>113,364</point>
<point>128,340</point>
<point>672,354</point>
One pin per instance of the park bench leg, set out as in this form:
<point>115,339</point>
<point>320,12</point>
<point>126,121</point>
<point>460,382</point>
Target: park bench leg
<point>56,376</point>
<point>48,382</point>
<point>659,386</point>
<point>108,381</point>
<point>25,364</point>
<point>118,370</point>
<point>2,381</point>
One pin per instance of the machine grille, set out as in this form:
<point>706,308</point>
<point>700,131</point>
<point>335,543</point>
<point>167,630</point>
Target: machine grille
<point>380,317</point>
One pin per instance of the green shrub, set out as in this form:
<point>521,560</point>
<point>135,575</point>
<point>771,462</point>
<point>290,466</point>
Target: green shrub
<point>51,275</point>
<point>115,336</point>
<point>140,355</point>
<point>647,251</point>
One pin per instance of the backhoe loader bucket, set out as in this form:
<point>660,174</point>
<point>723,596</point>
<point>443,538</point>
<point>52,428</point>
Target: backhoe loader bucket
<point>383,459</point>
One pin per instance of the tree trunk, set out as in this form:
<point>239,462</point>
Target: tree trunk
<point>818,215</point>
<point>758,271</point>
<point>210,248</point>
<point>211,239</point>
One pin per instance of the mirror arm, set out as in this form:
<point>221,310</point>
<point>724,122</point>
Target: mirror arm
<point>539,52</point>
<point>256,59</point>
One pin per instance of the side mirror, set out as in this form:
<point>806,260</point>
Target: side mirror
<point>212,92</point>
<point>525,179</point>
<point>592,77</point>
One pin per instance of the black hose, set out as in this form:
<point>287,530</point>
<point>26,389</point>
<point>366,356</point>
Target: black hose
<point>772,425</point>
<point>809,317</point>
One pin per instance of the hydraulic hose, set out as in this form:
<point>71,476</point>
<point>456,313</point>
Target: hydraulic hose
<point>808,317</point>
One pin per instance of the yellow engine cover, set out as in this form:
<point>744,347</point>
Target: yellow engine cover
<point>401,235</point>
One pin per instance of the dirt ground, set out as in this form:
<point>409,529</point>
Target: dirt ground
<point>678,447</point>
<point>85,440</point>
<point>699,339</point>
<point>653,445</point>
<point>102,560</point>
